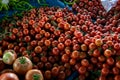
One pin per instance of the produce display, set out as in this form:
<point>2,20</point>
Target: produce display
<point>51,43</point>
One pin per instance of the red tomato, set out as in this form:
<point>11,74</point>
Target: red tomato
<point>105,71</point>
<point>115,70</point>
<point>82,70</point>
<point>78,34</point>
<point>118,64</point>
<point>98,42</point>
<point>38,49</point>
<point>107,53</point>
<point>8,76</point>
<point>96,53</point>
<point>34,74</point>
<point>84,47</point>
<point>65,58</point>
<point>75,54</point>
<point>110,61</point>
<point>85,62</point>
<point>24,65</point>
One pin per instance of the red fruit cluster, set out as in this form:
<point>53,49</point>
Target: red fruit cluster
<point>59,42</point>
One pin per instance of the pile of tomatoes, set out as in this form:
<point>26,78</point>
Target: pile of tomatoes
<point>59,42</point>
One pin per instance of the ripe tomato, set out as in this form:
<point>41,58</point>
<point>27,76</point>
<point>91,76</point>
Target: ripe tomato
<point>27,38</point>
<point>61,75</point>
<point>115,70</point>
<point>117,77</point>
<point>24,63</point>
<point>94,60</point>
<point>61,39</point>
<point>101,58</point>
<point>107,53</point>
<point>47,25</point>
<point>55,51</point>
<point>47,74</point>
<point>102,77</point>
<point>48,65</point>
<point>87,42</point>
<point>116,46</point>
<point>38,49</point>
<point>109,43</point>
<point>75,54</point>
<point>10,46</point>
<point>85,62</point>
<point>66,26</point>
<point>60,46</point>
<point>72,61</point>
<point>47,34</point>
<point>110,61</point>
<point>55,71</point>
<point>92,46</point>
<point>84,47</point>
<point>25,31</point>
<point>34,74</point>
<point>33,43</point>
<point>15,30</point>
<point>98,42</point>
<point>118,64</point>
<point>82,70</point>
<point>96,53</point>
<point>105,71</point>
<point>65,58</point>
<point>76,47</point>
<point>47,42</point>
<point>78,34</point>
<point>67,42</point>
<point>9,76</point>
<point>43,59</point>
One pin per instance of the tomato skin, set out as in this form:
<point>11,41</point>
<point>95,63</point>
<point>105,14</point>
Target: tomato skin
<point>85,62</point>
<point>92,46</point>
<point>78,34</point>
<point>107,53</point>
<point>8,76</point>
<point>65,58</point>
<point>15,30</point>
<point>101,58</point>
<point>38,49</point>
<point>22,64</point>
<point>34,74</point>
<point>117,77</point>
<point>96,53</point>
<point>60,46</point>
<point>55,51</point>
<point>75,54</point>
<point>72,61</point>
<point>55,71</point>
<point>84,47</point>
<point>118,64</point>
<point>9,56</point>
<point>98,42</point>
<point>110,61</point>
<point>116,46</point>
<point>2,64</point>
<point>102,78</point>
<point>105,71</point>
<point>47,75</point>
<point>115,70</point>
<point>82,70</point>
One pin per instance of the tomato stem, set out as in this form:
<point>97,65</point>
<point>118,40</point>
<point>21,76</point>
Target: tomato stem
<point>22,60</point>
<point>36,77</point>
